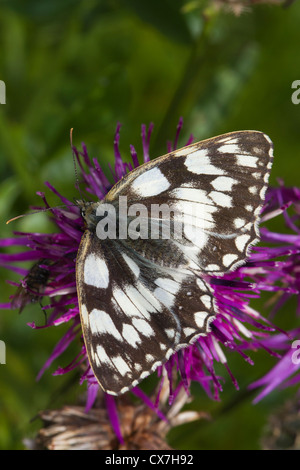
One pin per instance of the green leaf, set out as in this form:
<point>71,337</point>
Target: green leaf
<point>164,15</point>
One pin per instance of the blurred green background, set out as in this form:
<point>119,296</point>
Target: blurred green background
<point>89,64</point>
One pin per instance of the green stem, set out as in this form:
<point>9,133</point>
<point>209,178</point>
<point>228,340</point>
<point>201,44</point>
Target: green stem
<point>189,76</point>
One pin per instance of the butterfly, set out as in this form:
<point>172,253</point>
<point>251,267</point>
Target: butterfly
<point>143,298</point>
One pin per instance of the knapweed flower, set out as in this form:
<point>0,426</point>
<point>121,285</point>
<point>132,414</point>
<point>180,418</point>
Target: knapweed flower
<point>271,267</point>
<point>71,428</point>
<point>287,245</point>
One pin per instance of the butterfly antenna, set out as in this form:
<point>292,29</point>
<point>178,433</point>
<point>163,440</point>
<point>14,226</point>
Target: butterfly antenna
<point>37,212</point>
<point>75,167</point>
<point>57,207</point>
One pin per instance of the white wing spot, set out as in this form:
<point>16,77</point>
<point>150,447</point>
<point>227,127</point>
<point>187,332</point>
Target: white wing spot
<point>241,241</point>
<point>139,302</point>
<point>199,163</point>
<point>131,264</point>
<point>142,326</point>
<point>121,365</point>
<point>168,284</point>
<point>150,183</point>
<point>149,358</point>
<point>147,299</point>
<point>238,222</point>
<point>170,332</point>
<point>144,374</point>
<point>101,322</point>
<point>253,189</point>
<point>200,318</point>
<point>155,365</point>
<point>96,272</point>
<point>188,331</point>
<point>169,353</point>
<point>229,259</point>
<point>213,267</point>
<point>230,148</point>
<point>84,315</point>
<point>125,303</point>
<point>166,298</point>
<point>206,300</point>
<point>262,192</point>
<point>102,356</point>
<point>201,211</point>
<point>201,284</point>
<point>229,140</point>
<point>223,183</point>
<point>247,160</point>
<point>130,335</point>
<point>257,211</point>
<point>190,194</point>
<point>221,199</point>
<point>258,150</point>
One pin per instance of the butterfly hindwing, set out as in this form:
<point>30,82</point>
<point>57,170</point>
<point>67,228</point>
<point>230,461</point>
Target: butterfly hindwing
<point>142,298</point>
<point>135,317</point>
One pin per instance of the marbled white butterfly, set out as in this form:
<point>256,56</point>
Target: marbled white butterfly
<point>143,299</point>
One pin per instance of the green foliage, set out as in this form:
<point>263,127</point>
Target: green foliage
<point>87,65</point>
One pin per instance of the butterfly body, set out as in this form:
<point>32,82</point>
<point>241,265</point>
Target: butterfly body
<point>142,284</point>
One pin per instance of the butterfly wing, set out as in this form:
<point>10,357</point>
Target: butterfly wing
<point>216,189</point>
<point>142,299</point>
<point>134,315</point>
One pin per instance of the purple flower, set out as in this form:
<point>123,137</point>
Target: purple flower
<point>284,373</point>
<point>272,267</point>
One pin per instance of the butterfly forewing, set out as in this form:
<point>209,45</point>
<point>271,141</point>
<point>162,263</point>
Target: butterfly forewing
<point>217,188</point>
<point>141,299</point>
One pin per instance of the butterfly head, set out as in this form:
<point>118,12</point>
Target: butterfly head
<point>88,212</point>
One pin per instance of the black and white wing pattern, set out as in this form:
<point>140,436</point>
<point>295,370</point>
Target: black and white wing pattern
<point>143,295</point>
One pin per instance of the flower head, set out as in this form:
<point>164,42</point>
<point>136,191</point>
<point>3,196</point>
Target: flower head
<point>71,428</point>
<point>271,267</point>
